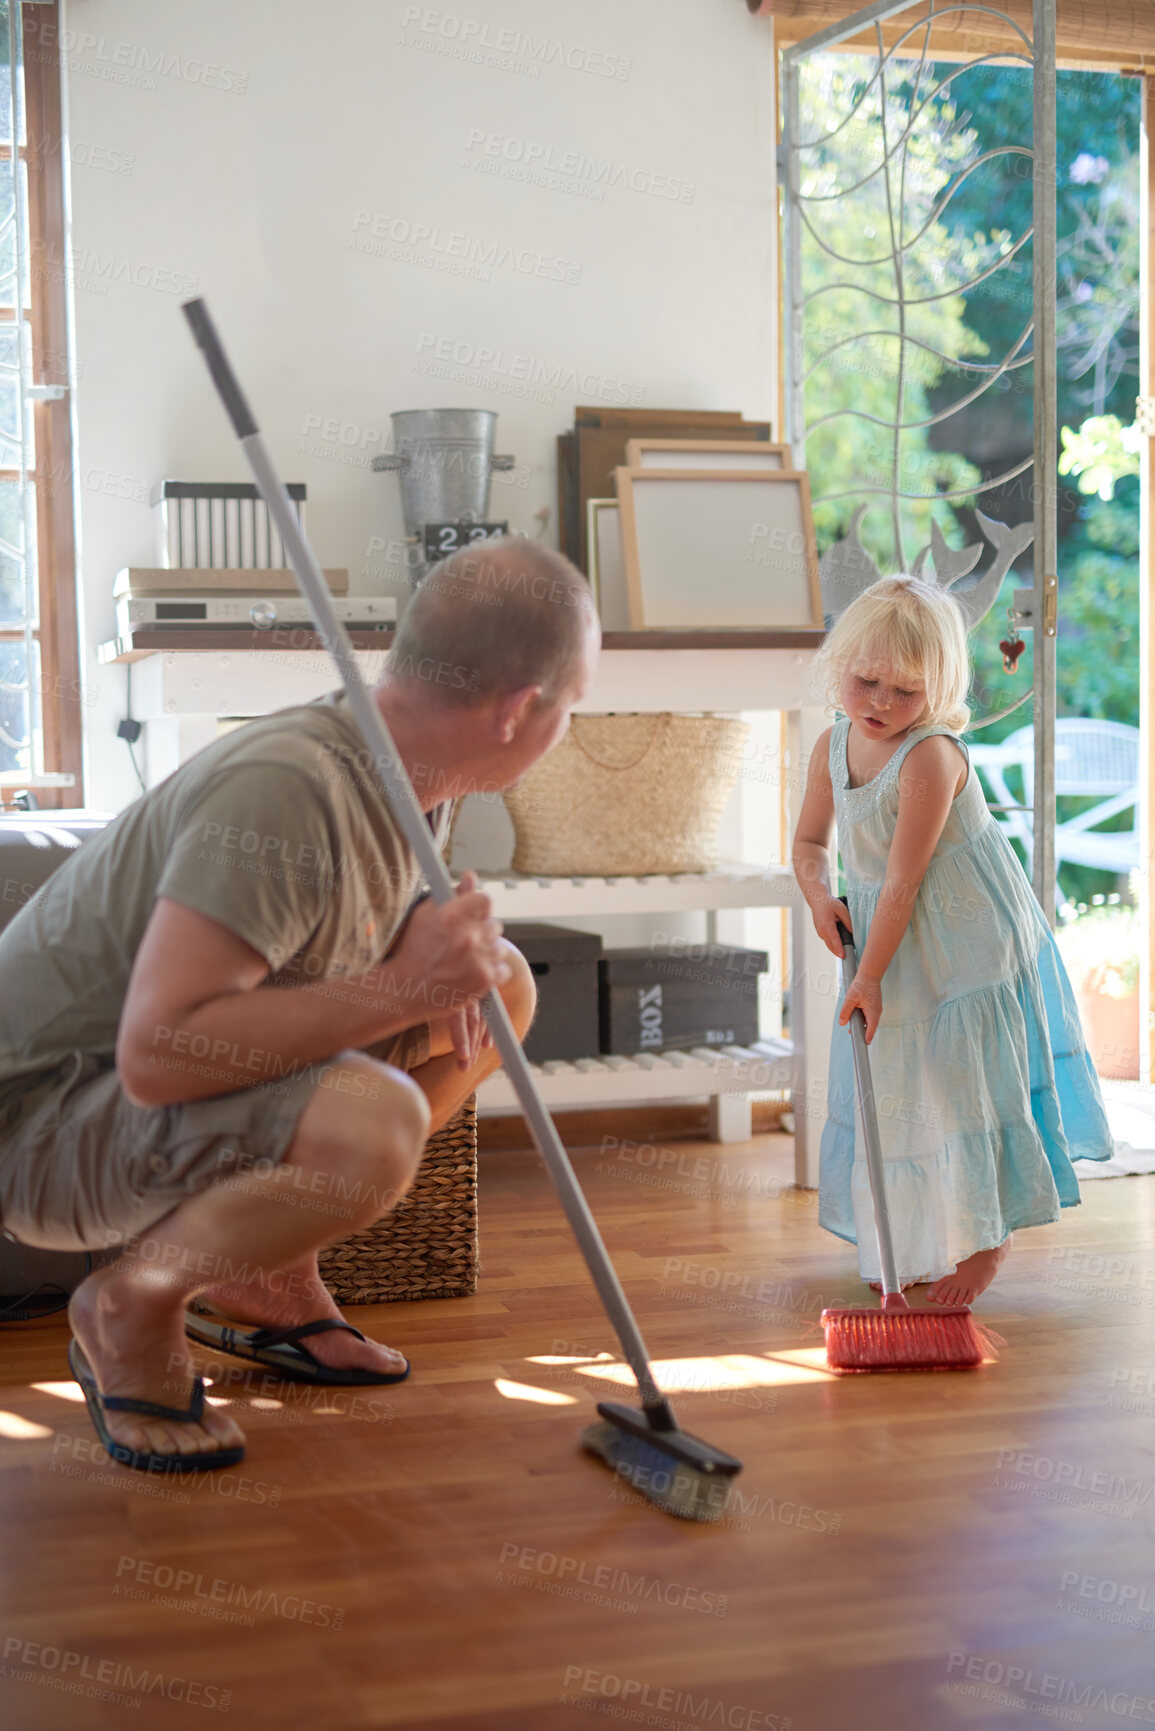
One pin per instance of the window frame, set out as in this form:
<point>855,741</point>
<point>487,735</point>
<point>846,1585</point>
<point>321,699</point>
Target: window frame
<point>56,697</point>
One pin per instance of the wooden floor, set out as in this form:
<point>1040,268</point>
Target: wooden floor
<point>906,1552</point>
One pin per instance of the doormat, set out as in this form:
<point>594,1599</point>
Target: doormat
<point>1131,1115</point>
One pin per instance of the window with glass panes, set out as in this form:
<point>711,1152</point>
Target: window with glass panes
<point>40,693</point>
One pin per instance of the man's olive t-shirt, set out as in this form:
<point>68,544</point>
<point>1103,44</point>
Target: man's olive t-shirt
<point>279,831</point>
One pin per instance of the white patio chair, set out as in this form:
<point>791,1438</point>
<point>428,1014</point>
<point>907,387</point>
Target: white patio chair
<point>1093,759</point>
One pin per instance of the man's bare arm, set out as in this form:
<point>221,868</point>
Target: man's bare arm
<point>197,1019</point>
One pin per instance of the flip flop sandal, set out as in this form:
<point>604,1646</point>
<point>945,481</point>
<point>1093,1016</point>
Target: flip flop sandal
<point>280,1350</point>
<point>144,1460</point>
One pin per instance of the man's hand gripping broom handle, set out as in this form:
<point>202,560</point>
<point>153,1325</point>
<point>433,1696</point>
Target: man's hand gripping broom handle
<point>404,805</point>
<point>892,1298</point>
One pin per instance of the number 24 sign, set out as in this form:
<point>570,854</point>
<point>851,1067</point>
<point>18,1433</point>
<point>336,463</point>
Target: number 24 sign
<point>442,539</point>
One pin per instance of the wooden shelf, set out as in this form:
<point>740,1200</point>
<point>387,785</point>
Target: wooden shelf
<point>807,637</point>
<point>153,640</point>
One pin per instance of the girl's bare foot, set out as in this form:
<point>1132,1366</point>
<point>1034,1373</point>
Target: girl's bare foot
<point>972,1276</point>
<point>297,1294</point>
<point>133,1337</point>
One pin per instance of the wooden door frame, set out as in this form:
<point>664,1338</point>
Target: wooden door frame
<point>1145,411</point>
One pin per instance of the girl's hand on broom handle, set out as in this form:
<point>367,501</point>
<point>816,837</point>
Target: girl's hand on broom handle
<point>864,993</point>
<point>829,913</point>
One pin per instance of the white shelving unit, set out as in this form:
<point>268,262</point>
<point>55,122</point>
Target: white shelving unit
<point>181,684</point>
<point>726,1075</point>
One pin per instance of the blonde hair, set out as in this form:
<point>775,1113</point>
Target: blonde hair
<point>914,628</point>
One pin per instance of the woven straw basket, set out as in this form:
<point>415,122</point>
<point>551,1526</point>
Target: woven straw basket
<point>427,1247</point>
<point>627,795</point>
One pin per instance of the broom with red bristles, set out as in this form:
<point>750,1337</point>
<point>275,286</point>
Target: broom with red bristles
<point>894,1337</point>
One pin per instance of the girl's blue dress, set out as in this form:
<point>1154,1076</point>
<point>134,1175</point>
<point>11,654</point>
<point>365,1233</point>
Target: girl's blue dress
<point>984,1087</point>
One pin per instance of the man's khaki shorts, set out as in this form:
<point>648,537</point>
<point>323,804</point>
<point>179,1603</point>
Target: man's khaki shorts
<point>82,1168</point>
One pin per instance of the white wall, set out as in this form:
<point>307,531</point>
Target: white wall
<point>226,148</point>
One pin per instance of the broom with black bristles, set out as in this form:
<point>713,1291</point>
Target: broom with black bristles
<point>646,1449</point>
<point>894,1337</point>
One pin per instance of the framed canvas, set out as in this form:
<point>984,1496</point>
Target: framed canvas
<point>607,570</point>
<point>715,549</point>
<point>727,454</point>
<point>600,438</point>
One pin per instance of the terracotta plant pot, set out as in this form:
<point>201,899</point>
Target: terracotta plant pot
<point>1112,1029</point>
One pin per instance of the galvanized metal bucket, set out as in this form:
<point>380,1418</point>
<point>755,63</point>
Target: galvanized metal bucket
<point>444,459</point>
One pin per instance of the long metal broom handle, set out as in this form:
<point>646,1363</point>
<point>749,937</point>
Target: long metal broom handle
<point>891,1287</point>
<point>404,805</point>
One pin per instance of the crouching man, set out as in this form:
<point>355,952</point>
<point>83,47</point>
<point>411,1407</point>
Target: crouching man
<point>229,1023</point>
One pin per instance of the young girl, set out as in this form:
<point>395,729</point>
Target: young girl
<point>984,1088</point>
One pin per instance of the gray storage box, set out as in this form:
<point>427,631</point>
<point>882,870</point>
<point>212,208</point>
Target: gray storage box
<point>564,963</point>
<point>673,1000</point>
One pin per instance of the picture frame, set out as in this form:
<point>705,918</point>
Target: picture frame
<point>607,570</point>
<point>729,454</point>
<point>709,549</point>
<point>600,435</point>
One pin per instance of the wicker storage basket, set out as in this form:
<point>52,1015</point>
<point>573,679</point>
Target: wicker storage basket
<point>627,795</point>
<point>427,1247</point>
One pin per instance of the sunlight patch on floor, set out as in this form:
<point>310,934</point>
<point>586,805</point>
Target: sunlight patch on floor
<point>525,1391</point>
<point>725,1370</point>
<point>807,1357</point>
<point>572,1358</point>
<point>17,1429</point>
